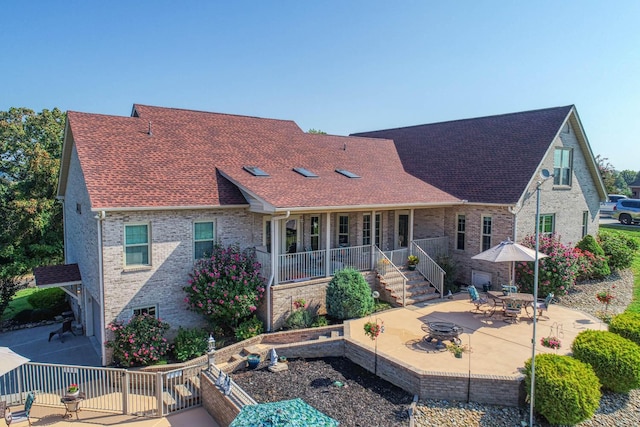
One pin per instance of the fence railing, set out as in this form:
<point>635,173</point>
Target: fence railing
<point>429,268</point>
<point>390,272</point>
<point>435,247</point>
<point>398,256</point>
<point>264,258</point>
<point>107,389</point>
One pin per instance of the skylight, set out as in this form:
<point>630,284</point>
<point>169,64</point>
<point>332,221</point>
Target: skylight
<point>255,171</point>
<point>347,173</point>
<point>305,172</point>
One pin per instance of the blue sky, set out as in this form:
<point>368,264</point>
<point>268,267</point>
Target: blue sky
<point>338,66</point>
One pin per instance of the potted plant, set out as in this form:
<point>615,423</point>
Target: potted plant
<point>457,349</point>
<point>550,342</point>
<point>373,329</point>
<point>412,261</point>
<point>73,390</point>
<point>253,360</point>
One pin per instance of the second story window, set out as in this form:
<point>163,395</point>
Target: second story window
<point>562,166</point>
<point>136,245</point>
<point>203,239</point>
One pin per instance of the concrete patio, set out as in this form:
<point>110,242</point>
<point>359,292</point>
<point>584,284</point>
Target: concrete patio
<point>497,347</point>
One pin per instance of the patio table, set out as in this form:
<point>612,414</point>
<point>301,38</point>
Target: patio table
<point>500,298</point>
<point>72,404</point>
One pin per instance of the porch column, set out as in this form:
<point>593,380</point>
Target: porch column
<point>327,239</point>
<point>373,239</point>
<point>275,245</point>
<point>410,230</point>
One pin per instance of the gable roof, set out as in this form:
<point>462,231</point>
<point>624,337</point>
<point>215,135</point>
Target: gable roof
<point>168,158</point>
<point>484,160</point>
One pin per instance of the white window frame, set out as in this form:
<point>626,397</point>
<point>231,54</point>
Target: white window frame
<point>150,309</point>
<point>562,175</point>
<point>366,231</point>
<point>196,241</point>
<point>125,245</point>
<point>461,233</point>
<point>585,223</point>
<point>317,233</point>
<point>483,234</point>
<point>340,232</point>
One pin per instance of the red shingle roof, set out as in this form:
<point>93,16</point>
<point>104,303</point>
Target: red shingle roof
<point>57,274</point>
<point>186,158</point>
<point>485,160</point>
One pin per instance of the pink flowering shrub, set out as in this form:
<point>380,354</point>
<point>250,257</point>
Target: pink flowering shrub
<point>556,274</point>
<point>139,342</point>
<point>227,287</point>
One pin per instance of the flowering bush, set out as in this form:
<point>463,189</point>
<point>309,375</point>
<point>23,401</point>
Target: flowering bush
<point>226,287</point>
<point>605,297</point>
<point>373,329</point>
<point>300,303</point>
<point>550,342</point>
<point>556,274</point>
<point>139,342</point>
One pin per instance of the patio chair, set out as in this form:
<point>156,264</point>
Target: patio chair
<point>511,311</point>
<point>509,289</point>
<point>19,416</point>
<point>475,297</point>
<point>66,327</point>
<point>543,304</point>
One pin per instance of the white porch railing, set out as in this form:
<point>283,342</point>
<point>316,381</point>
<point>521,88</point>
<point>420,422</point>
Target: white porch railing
<point>301,266</point>
<point>398,256</point>
<point>435,247</point>
<point>264,258</point>
<point>429,268</point>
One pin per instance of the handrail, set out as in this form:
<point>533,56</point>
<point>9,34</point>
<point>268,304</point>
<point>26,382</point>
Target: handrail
<point>429,268</point>
<point>435,247</point>
<point>384,266</point>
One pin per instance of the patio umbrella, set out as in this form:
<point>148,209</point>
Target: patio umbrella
<point>287,413</point>
<point>509,251</point>
<point>9,360</point>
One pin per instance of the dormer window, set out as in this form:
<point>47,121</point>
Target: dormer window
<point>347,173</point>
<point>305,172</point>
<point>255,171</point>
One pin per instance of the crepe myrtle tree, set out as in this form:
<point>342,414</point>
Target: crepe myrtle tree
<point>227,287</point>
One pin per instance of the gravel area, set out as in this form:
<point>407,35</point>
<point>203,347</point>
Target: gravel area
<point>365,400</point>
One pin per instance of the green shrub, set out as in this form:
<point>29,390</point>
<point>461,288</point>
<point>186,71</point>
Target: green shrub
<point>190,343</point>
<point>619,248</point>
<point>40,314</point>
<point>249,328</point>
<point>52,299</point>
<point>626,325</point>
<point>567,391</point>
<point>299,319</point>
<point>450,267</point>
<point>592,263</point>
<point>139,342</point>
<point>349,295</point>
<point>588,243</point>
<point>23,316</point>
<point>616,360</point>
<point>320,321</point>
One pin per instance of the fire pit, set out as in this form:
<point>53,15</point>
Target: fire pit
<point>442,331</point>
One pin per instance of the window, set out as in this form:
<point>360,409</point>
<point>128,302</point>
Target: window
<point>267,235</point>
<point>255,171</point>
<point>585,223</point>
<point>347,173</point>
<point>547,224</point>
<point>366,229</point>
<point>462,225</point>
<point>79,208</point>
<point>136,244</point>
<point>203,238</point>
<point>562,166</point>
<point>343,230</point>
<point>377,233</point>
<point>151,311</point>
<point>305,172</point>
<point>315,233</point>
<point>486,233</point>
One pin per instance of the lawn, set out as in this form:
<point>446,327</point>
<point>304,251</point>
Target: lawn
<point>633,231</point>
<point>18,303</point>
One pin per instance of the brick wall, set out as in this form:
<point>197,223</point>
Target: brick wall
<point>217,404</point>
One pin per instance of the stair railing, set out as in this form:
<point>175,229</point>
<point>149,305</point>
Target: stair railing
<point>429,268</point>
<point>385,267</point>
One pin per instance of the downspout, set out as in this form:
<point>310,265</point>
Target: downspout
<point>103,357</point>
<point>274,261</point>
<point>512,210</point>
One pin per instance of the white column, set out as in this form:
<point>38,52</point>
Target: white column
<point>327,239</point>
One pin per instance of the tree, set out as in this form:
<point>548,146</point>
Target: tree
<point>607,172</point>
<point>317,132</point>
<point>30,216</point>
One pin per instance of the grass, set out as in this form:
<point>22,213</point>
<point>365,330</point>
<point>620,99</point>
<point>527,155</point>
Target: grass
<point>18,303</point>
<point>633,231</point>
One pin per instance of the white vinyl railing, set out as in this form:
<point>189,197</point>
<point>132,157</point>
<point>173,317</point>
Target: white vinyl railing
<point>106,389</point>
<point>435,247</point>
<point>390,272</point>
<point>264,259</point>
<point>429,268</point>
<point>398,256</point>
<point>301,266</point>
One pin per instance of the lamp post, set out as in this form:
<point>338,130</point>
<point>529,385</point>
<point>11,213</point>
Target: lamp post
<point>211,350</point>
<point>544,175</point>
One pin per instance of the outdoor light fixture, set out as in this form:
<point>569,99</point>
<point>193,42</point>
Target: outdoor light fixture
<point>544,175</point>
<point>211,343</point>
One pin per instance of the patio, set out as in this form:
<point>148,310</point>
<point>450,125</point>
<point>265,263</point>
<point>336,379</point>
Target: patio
<point>497,347</point>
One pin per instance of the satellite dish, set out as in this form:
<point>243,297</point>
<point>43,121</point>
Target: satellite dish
<point>545,174</point>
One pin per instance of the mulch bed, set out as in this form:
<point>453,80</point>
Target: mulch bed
<point>333,385</point>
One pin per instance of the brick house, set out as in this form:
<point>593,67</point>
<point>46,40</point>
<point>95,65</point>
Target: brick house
<point>145,196</point>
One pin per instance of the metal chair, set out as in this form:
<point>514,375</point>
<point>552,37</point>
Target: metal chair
<point>511,311</point>
<point>475,297</point>
<point>19,416</point>
<point>543,305</point>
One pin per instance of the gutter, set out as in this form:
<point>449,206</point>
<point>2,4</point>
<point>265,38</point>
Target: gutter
<point>103,356</point>
<point>274,259</point>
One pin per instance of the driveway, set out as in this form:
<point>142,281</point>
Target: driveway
<point>34,343</point>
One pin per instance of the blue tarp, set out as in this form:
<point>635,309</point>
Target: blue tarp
<point>287,413</point>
